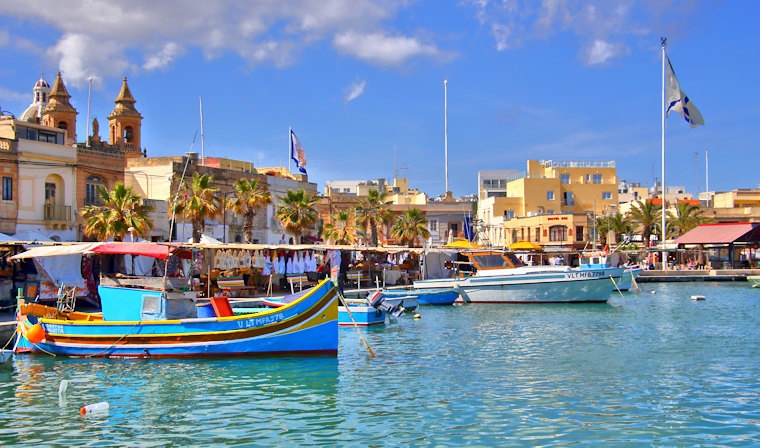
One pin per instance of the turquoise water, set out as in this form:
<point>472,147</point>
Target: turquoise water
<point>643,370</point>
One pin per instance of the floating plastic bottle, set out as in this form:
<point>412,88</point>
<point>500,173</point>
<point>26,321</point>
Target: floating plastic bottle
<point>95,408</point>
<point>62,387</point>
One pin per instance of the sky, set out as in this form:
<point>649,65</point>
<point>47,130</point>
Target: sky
<point>361,83</point>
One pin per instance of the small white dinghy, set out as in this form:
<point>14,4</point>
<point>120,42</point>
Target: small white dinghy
<point>697,297</point>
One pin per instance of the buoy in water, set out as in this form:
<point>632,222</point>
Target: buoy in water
<point>93,408</point>
<point>653,292</point>
<point>35,334</point>
<point>417,316</point>
<point>697,297</point>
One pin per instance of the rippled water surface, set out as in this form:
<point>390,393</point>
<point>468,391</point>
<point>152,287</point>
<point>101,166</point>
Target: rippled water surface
<point>653,369</point>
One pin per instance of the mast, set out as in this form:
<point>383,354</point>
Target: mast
<point>87,129</point>
<point>446,131</point>
<point>203,147</point>
<point>707,173</point>
<point>664,258</point>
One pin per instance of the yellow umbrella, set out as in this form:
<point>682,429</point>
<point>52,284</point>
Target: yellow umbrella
<point>463,244</point>
<point>525,245</point>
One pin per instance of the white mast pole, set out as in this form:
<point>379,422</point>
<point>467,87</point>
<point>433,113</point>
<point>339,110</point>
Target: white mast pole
<point>664,255</point>
<point>707,173</point>
<point>87,129</point>
<point>446,131</point>
<point>290,133</point>
<point>203,146</point>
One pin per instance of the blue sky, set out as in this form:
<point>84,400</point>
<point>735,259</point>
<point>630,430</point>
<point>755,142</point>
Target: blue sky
<point>361,82</point>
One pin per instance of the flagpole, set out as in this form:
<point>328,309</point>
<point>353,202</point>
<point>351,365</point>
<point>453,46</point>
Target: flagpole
<point>446,131</point>
<point>664,258</point>
<point>290,132</point>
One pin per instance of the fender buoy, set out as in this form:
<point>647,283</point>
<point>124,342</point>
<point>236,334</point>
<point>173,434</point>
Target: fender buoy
<point>35,334</point>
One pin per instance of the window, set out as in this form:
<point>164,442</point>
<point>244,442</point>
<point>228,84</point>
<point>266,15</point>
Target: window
<point>7,188</point>
<point>564,179</point>
<point>509,214</point>
<point>91,190</point>
<point>494,183</point>
<point>567,198</point>
<point>550,195</point>
<point>606,195</point>
<point>49,193</point>
<point>128,134</point>
<point>597,179</point>
<point>558,233</point>
<point>538,234</point>
<point>578,233</point>
<point>433,225</point>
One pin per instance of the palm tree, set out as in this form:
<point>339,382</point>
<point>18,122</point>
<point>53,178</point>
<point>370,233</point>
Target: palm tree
<point>409,226</point>
<point>646,214</point>
<point>687,217</point>
<point>251,196</point>
<point>602,229</point>
<point>372,211</point>
<point>197,201</point>
<point>119,210</point>
<point>619,224</point>
<point>340,230</point>
<point>297,212</point>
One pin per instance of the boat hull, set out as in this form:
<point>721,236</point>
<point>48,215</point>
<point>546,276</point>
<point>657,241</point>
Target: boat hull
<point>363,315</point>
<point>427,296</point>
<point>569,286</point>
<point>306,326</point>
<point>754,280</point>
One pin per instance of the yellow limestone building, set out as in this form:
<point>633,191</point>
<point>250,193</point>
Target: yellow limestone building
<point>552,203</point>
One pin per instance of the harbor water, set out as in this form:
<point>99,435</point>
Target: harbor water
<point>654,368</point>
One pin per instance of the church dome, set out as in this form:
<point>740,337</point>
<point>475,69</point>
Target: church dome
<point>42,83</point>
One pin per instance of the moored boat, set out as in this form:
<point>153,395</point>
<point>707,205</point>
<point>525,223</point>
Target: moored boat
<point>426,296</point>
<point>499,277</point>
<point>153,317</point>
<point>754,280</point>
<point>603,259</point>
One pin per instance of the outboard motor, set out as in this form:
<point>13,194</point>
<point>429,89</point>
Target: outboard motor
<point>377,301</point>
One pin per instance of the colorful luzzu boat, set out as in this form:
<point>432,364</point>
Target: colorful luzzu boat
<point>139,320</point>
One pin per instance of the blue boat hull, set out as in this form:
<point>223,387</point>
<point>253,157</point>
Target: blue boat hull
<point>305,326</point>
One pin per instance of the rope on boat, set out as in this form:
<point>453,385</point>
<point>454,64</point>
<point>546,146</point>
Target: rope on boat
<point>343,301</point>
<point>618,289</point>
<point>115,343</point>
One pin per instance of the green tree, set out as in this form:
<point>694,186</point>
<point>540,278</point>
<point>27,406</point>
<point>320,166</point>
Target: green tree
<point>341,230</point>
<point>251,195</point>
<point>117,212</point>
<point>602,229</point>
<point>619,224</point>
<point>297,213</point>
<point>645,214</point>
<point>373,210</point>
<point>409,226</point>
<point>197,201</point>
<point>687,217</point>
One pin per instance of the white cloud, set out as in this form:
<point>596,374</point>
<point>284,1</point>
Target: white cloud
<point>381,49</point>
<point>163,58</point>
<point>600,52</point>
<point>355,90</point>
<point>81,57</point>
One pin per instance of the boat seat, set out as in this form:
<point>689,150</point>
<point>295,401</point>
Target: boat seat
<point>222,306</point>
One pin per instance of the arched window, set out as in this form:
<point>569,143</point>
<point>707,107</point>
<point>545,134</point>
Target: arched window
<point>63,125</point>
<point>91,190</point>
<point>558,233</point>
<point>128,134</point>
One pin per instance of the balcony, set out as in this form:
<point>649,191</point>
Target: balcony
<point>57,212</point>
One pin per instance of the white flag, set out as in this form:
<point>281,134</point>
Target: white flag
<point>677,101</point>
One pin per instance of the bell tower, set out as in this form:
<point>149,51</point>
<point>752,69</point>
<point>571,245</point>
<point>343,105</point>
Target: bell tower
<point>124,123</point>
<point>59,113</point>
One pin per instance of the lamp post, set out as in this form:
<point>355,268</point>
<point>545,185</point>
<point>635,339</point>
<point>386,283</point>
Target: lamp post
<point>224,215</point>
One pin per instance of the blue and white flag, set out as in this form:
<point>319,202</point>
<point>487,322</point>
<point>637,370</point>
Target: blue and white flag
<point>297,153</point>
<point>677,101</point>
